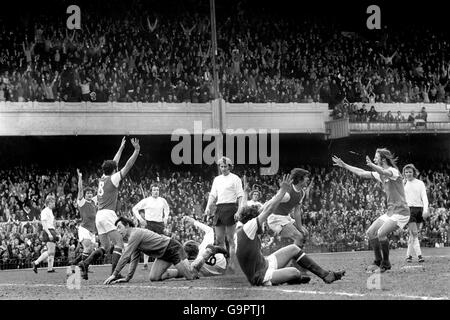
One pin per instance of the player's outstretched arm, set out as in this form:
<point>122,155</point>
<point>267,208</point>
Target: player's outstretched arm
<point>243,200</point>
<point>378,169</point>
<point>132,159</point>
<point>80,185</point>
<point>358,171</point>
<point>119,152</point>
<point>285,184</point>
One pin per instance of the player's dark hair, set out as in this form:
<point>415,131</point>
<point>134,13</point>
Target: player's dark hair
<point>154,186</point>
<point>387,155</point>
<point>297,174</point>
<point>248,213</point>
<point>125,221</point>
<point>191,249</point>
<point>87,189</point>
<point>108,167</point>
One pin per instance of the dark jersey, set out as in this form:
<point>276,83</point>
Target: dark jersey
<point>248,252</point>
<point>295,198</point>
<point>88,210</point>
<point>395,192</point>
<point>107,193</point>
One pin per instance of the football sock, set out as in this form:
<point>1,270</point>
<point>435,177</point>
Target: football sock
<point>145,259</point>
<point>384,244</point>
<point>306,262</point>
<point>375,243</point>
<point>94,256</point>
<point>410,247</point>
<point>117,253</point>
<point>51,260</point>
<point>416,245</point>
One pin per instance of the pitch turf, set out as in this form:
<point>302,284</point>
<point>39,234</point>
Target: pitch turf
<point>430,280</point>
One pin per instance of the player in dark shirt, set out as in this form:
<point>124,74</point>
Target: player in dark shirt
<point>167,251</point>
<point>261,270</point>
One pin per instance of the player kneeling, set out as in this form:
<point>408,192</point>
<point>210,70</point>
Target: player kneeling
<point>272,270</point>
<point>167,251</point>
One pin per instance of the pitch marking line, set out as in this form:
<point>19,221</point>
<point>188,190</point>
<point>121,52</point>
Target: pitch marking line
<point>311,292</point>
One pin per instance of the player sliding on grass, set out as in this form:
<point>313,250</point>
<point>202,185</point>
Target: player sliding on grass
<point>272,270</point>
<point>397,215</point>
<point>167,251</point>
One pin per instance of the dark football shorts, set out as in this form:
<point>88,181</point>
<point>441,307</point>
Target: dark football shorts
<point>154,226</point>
<point>416,214</point>
<point>174,252</point>
<point>224,215</point>
<point>47,239</point>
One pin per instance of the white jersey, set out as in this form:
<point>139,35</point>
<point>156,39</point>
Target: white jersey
<point>226,189</point>
<point>254,203</point>
<point>156,209</point>
<point>47,218</point>
<point>217,264</point>
<point>416,194</point>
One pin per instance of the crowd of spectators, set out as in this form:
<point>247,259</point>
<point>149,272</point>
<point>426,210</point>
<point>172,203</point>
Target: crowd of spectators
<point>337,211</point>
<point>149,56</point>
<point>354,113</point>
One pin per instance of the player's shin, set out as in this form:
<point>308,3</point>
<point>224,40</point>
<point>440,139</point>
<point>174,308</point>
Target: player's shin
<point>94,256</point>
<point>41,258</point>
<point>117,253</point>
<point>375,243</point>
<point>309,264</point>
<point>416,246</point>
<point>384,244</point>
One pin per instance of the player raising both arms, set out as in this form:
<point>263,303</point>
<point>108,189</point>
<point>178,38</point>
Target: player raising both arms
<point>167,251</point>
<point>417,200</point>
<point>107,193</point>
<point>49,235</point>
<point>272,270</point>
<point>397,214</point>
<point>87,204</point>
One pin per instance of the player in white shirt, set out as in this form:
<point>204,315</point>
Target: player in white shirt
<point>417,200</point>
<point>156,213</point>
<point>227,192</point>
<point>49,235</point>
<point>216,264</point>
<point>255,196</point>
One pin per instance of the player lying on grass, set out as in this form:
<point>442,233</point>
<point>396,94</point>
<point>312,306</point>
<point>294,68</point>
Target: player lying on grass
<point>272,270</point>
<point>167,252</point>
<point>216,264</point>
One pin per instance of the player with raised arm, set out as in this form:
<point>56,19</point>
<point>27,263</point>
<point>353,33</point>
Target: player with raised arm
<point>227,192</point>
<point>417,200</point>
<point>156,213</point>
<point>107,193</point>
<point>167,252</point>
<point>87,204</point>
<point>397,214</point>
<point>272,270</point>
<point>49,235</point>
<point>215,265</point>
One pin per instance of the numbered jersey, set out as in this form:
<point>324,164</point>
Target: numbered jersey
<point>108,191</point>
<point>216,265</point>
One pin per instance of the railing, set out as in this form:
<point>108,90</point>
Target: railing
<point>398,127</point>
